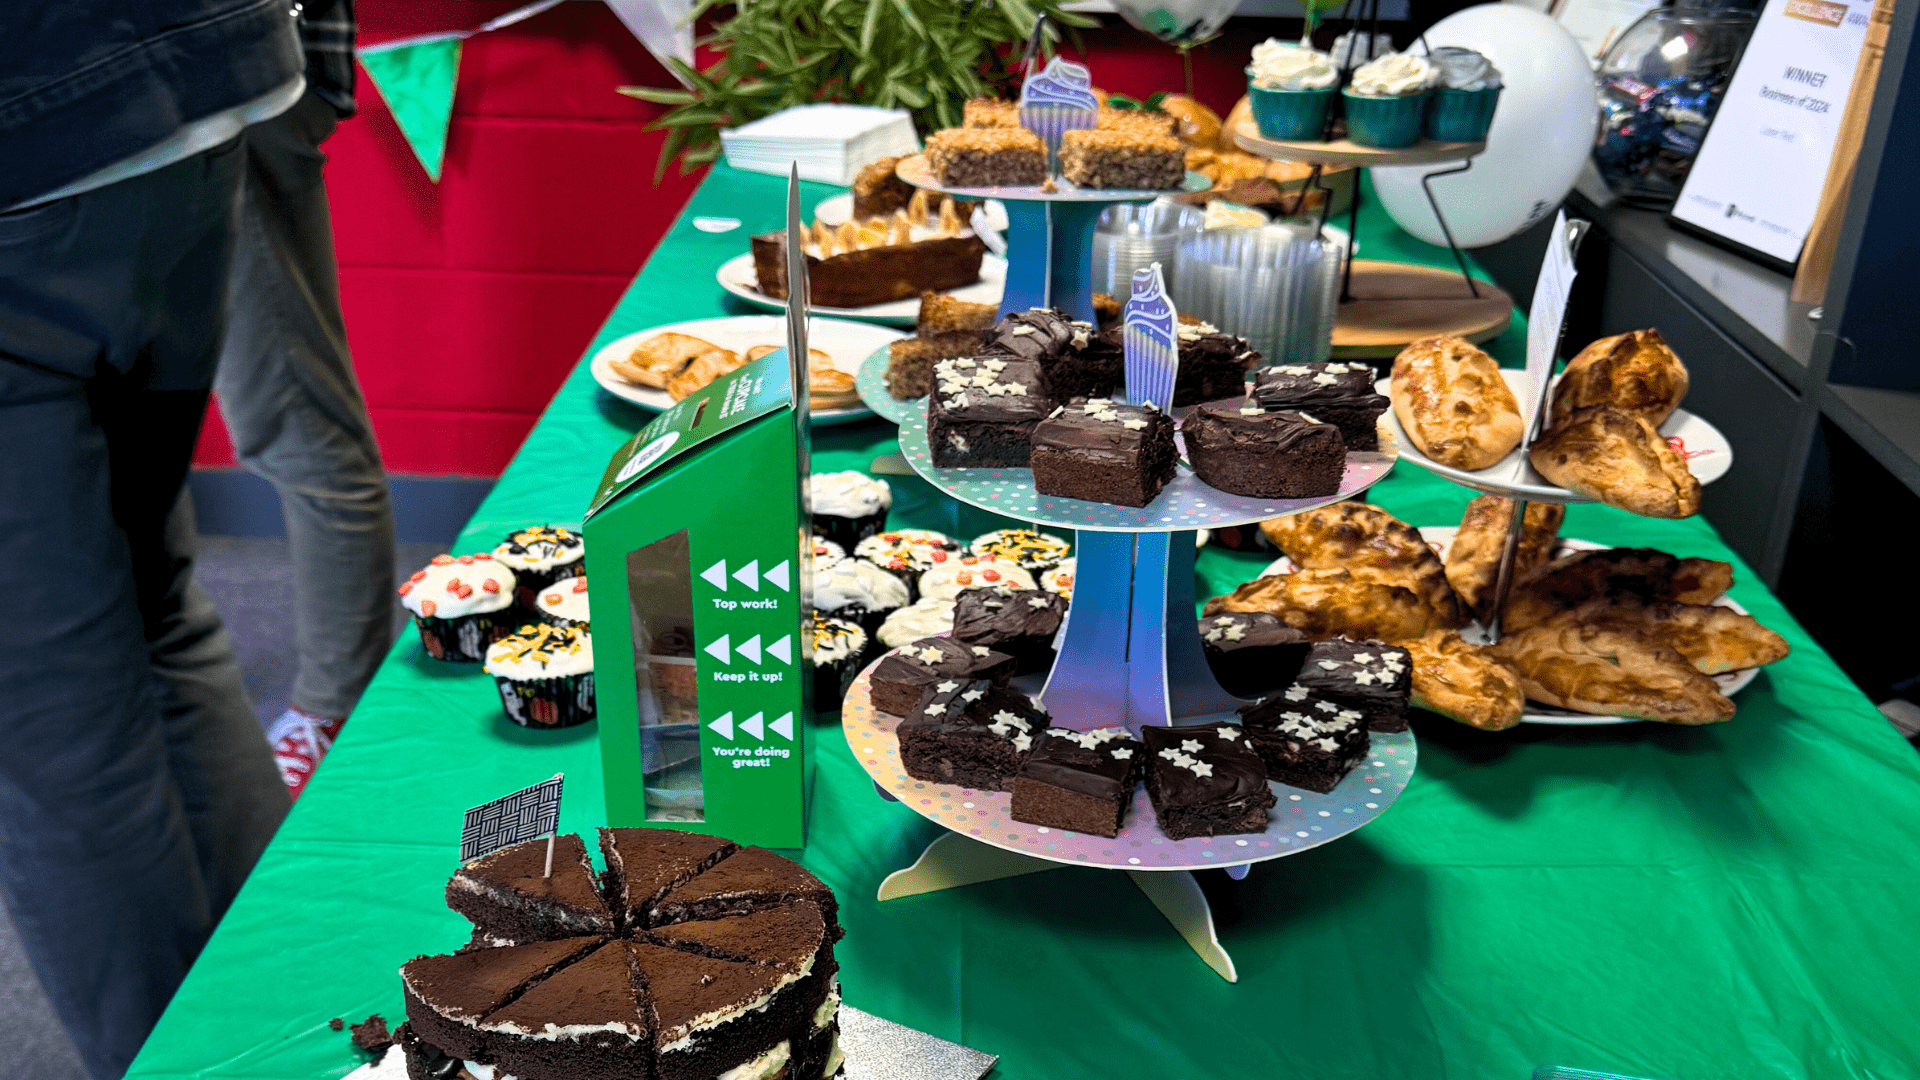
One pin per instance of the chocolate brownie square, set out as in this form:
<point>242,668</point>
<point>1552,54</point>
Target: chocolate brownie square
<point>1103,451</point>
<point>1251,652</point>
<point>982,413</point>
<point>1205,780</point>
<point>1371,677</point>
<point>1075,360</point>
<point>1079,780</point>
<point>1339,394</point>
<point>1306,740</point>
<point>901,677</point>
<point>1021,623</point>
<point>1239,447</point>
<point>1213,365</point>
<point>969,732</point>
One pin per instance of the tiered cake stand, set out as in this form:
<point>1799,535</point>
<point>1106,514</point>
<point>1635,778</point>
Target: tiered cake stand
<point>1383,305</point>
<point>1129,655</point>
<point>1049,235</point>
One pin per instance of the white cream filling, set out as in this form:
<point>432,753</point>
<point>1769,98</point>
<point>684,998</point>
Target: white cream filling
<point>829,1008</point>
<point>763,1066</point>
<point>710,1020</point>
<point>556,1032</point>
<point>834,1059</point>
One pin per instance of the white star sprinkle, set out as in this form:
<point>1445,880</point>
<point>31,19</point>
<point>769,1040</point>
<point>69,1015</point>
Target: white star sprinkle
<point>1229,733</point>
<point>1133,425</point>
<point>1190,745</point>
<point>1235,633</point>
<point>1171,754</point>
<point>947,687</point>
<point>1022,742</point>
<point>930,655</point>
<point>1201,768</point>
<point>1362,657</point>
<point>1296,693</point>
<point>973,695</point>
<point>1122,753</point>
<point>936,709</point>
<point>981,650</point>
<point>1328,665</point>
<point>1039,602</point>
<point>1364,678</point>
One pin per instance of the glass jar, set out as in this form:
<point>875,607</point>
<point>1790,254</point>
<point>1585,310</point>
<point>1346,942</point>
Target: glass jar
<point>1659,86</point>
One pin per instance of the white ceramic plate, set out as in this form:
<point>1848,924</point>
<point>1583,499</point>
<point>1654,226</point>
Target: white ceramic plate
<point>832,211</point>
<point>1440,537</point>
<point>737,277</point>
<point>1707,452</point>
<point>848,343</point>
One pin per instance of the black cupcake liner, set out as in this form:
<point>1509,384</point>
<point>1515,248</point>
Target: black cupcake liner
<point>830,683</point>
<point>865,618</point>
<point>464,640</point>
<point>847,531</point>
<point>528,584</point>
<point>562,701</point>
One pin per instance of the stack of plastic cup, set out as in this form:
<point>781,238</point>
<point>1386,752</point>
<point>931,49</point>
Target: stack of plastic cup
<point>1132,237</point>
<point>1277,286</point>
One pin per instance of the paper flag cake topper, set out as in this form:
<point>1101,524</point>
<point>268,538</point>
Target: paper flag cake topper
<point>1150,336</point>
<point>1056,101</point>
<point>512,819</point>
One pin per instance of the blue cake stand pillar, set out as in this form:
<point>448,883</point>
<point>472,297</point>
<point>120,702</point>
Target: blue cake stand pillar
<point>1050,256</point>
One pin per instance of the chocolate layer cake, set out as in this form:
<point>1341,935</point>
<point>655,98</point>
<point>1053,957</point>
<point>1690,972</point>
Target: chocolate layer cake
<point>736,978</point>
<point>1020,623</point>
<point>1306,741</point>
<point>902,677</point>
<point>1252,653</point>
<point>1339,394</point>
<point>1103,451</point>
<point>982,413</point>
<point>970,733</point>
<point>1133,156</point>
<point>1241,448</point>
<point>1079,780</point>
<point>1212,365</point>
<point>987,157</point>
<point>510,901</point>
<point>1369,676</point>
<point>1075,360</point>
<point>1205,780</point>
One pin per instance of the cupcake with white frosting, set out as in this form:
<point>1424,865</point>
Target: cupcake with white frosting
<point>1059,580</point>
<point>1029,550</point>
<point>1387,100</point>
<point>848,506</point>
<point>928,616</point>
<point>857,591</point>
<point>540,556</point>
<point>1466,90</point>
<point>906,553</point>
<point>545,675</point>
<point>564,603</point>
<point>838,646</point>
<point>460,605</point>
<point>1289,87</point>
<point>948,579</point>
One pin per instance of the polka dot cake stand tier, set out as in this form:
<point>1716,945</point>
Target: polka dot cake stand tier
<point>985,843</point>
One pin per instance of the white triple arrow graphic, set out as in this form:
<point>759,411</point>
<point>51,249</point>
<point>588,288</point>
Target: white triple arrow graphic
<point>750,575</point>
<point>754,725</point>
<point>723,725</point>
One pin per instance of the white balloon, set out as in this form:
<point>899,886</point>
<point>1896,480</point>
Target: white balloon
<point>1542,131</point>
<point>1177,22</point>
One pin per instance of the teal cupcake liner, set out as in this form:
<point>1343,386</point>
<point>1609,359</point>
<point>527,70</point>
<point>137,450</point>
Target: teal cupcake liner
<point>1461,115</point>
<point>1386,123</point>
<point>1290,114</point>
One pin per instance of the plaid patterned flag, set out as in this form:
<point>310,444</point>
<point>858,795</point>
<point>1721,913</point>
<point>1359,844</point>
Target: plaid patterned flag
<point>1149,334</point>
<point>1055,102</point>
<point>511,819</point>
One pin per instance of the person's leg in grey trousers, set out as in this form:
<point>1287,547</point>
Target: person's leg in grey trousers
<point>287,390</point>
<point>135,788</point>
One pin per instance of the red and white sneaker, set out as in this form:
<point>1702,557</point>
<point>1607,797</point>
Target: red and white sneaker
<point>299,741</point>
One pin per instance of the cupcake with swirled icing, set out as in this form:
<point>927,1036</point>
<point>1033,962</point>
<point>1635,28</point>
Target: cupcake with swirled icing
<point>1466,91</point>
<point>1386,102</point>
<point>1289,88</point>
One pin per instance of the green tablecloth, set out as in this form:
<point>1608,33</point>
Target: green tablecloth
<point>1733,901</point>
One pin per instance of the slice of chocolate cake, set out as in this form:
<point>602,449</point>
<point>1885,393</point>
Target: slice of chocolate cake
<point>1075,361</point>
<point>1340,394</point>
<point>982,412</point>
<point>585,1022</point>
<point>1252,653</point>
<point>510,901</point>
<point>448,996</point>
<point>790,937</point>
<point>1305,740</point>
<point>1205,780</point>
<point>1240,448</point>
<point>902,677</point>
<point>1103,451</point>
<point>711,1015</point>
<point>1213,365</point>
<point>644,864</point>
<point>1079,780</point>
<point>1371,677</point>
<point>1020,623</point>
<point>972,734</point>
<point>748,880</point>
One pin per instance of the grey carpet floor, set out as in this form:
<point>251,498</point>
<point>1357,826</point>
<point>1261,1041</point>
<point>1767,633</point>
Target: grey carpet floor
<point>247,577</point>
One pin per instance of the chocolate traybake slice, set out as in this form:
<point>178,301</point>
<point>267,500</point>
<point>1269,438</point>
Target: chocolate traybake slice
<point>1252,653</point>
<point>1369,676</point>
<point>1103,451</point>
<point>644,864</point>
<point>1075,360</point>
<point>1213,365</point>
<point>970,733</point>
<point>1340,394</point>
<point>1020,623</point>
<point>1205,780</point>
<point>1306,741</point>
<point>982,413</point>
<point>748,880</point>
<point>1241,448</point>
<point>1079,780</point>
<point>1133,156</point>
<point>901,678</point>
<point>510,900</point>
<point>987,157</point>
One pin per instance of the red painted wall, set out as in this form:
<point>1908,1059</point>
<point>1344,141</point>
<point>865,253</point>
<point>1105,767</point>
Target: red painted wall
<point>467,302</point>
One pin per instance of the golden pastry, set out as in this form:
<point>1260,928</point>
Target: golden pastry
<point>705,368</point>
<point>1454,405</point>
<point>1196,124</point>
<point>1713,639</point>
<point>1619,459</point>
<point>660,358</point>
<point>1575,578</point>
<point>1610,672</point>
<point>1356,536</point>
<point>1634,372</point>
<point>1473,560</point>
<point>1333,603</point>
<point>1464,682</point>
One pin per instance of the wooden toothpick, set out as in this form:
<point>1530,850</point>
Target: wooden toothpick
<point>550,838</point>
